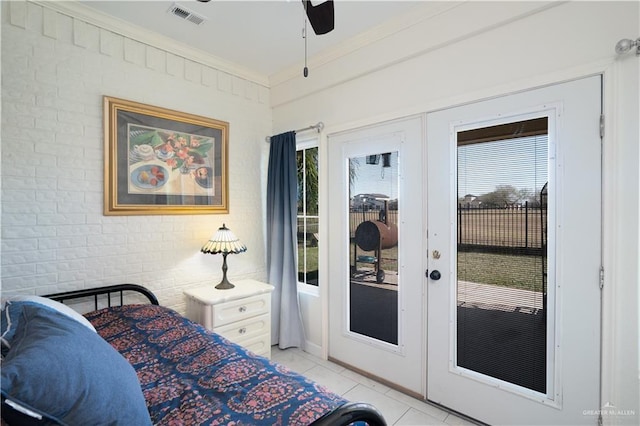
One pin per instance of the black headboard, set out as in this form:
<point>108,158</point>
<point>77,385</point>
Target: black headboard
<point>107,290</point>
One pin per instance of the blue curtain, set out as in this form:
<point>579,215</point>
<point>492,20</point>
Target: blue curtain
<point>282,181</point>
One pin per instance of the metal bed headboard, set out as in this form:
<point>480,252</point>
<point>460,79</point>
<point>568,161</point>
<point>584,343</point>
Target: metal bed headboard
<point>107,290</point>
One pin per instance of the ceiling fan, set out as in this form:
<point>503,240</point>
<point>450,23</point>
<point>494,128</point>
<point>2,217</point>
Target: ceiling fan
<point>322,18</point>
<point>321,15</point>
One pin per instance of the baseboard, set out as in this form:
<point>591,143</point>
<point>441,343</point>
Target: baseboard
<point>313,349</point>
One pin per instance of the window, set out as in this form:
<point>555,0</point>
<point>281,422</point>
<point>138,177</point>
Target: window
<point>307,160</point>
<point>502,263</point>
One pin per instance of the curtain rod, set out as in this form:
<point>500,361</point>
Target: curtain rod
<point>318,127</point>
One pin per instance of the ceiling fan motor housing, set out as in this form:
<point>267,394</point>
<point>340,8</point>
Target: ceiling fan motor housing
<point>321,16</point>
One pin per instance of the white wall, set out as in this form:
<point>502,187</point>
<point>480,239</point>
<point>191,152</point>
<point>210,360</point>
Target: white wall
<point>55,70</point>
<point>462,52</point>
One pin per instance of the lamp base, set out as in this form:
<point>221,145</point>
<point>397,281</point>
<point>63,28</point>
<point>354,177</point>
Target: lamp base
<point>225,284</point>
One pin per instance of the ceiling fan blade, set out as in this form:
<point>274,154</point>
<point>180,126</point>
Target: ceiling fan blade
<point>321,16</point>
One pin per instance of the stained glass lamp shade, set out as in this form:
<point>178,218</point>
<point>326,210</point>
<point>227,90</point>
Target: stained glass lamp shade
<point>223,241</point>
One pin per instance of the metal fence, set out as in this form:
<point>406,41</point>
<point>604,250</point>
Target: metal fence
<point>518,230</point>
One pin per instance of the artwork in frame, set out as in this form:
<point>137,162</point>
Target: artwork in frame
<point>160,161</point>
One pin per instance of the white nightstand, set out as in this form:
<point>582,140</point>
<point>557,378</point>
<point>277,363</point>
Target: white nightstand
<point>241,314</point>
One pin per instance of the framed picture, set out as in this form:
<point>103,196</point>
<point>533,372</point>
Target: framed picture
<point>160,161</point>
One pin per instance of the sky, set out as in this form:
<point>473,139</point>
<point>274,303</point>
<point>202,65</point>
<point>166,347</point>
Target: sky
<point>375,179</point>
<point>520,162</point>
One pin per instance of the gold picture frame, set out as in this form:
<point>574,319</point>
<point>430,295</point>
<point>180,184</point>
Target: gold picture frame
<point>163,162</point>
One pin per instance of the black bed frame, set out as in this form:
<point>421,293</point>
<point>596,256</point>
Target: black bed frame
<point>107,290</point>
<point>344,415</point>
<point>352,412</point>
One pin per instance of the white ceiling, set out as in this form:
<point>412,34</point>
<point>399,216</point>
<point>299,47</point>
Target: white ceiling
<point>261,36</point>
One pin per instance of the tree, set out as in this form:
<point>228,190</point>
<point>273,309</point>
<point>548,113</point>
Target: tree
<point>502,196</point>
<point>529,196</point>
<point>307,164</point>
<point>354,166</point>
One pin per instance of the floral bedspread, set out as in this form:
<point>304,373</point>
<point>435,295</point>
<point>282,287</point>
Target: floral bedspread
<point>191,376</point>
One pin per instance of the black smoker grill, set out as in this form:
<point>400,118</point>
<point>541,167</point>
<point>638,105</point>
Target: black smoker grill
<point>374,235</point>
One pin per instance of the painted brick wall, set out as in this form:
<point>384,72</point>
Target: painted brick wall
<point>55,71</point>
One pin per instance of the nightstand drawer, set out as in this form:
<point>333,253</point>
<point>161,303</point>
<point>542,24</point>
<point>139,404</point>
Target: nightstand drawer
<point>241,331</point>
<point>241,314</point>
<point>237,310</point>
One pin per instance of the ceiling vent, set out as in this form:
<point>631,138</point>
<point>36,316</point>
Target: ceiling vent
<point>186,14</point>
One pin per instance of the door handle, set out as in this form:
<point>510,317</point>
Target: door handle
<point>435,275</point>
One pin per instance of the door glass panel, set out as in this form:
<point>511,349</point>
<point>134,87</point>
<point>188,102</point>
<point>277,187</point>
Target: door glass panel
<point>373,241</point>
<point>502,252</point>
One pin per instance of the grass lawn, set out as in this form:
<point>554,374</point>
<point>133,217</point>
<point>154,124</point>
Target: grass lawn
<point>523,272</point>
<point>516,271</point>
<point>312,258</point>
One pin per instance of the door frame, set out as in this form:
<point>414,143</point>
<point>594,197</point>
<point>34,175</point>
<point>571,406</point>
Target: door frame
<point>619,126</point>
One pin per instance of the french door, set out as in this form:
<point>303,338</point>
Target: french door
<point>499,202</point>
<point>376,278</point>
<point>514,254</point>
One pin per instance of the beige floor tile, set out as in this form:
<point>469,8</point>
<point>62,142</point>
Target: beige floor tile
<point>330,379</point>
<point>370,383</point>
<point>454,420</point>
<point>292,359</point>
<point>390,408</point>
<point>414,417</point>
<point>419,405</point>
<point>397,408</point>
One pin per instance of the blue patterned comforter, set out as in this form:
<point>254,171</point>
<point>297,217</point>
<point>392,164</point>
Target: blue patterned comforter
<point>191,376</point>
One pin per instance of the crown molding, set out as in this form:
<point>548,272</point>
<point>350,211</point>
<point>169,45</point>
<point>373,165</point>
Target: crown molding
<point>126,29</point>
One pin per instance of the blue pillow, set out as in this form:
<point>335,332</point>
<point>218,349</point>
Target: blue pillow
<point>56,306</point>
<point>10,315</point>
<point>12,309</point>
<point>62,371</point>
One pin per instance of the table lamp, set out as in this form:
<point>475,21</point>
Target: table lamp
<point>225,242</point>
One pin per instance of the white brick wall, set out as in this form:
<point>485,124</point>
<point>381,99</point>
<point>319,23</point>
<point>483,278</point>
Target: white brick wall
<point>55,71</point>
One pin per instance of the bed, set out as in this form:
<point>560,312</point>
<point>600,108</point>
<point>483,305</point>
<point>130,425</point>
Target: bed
<point>143,363</point>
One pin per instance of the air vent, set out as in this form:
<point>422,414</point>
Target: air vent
<point>186,14</point>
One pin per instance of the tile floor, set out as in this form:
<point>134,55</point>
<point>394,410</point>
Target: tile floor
<point>397,408</point>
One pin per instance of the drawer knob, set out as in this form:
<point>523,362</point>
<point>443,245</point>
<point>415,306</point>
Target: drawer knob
<point>242,330</point>
<point>242,309</point>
